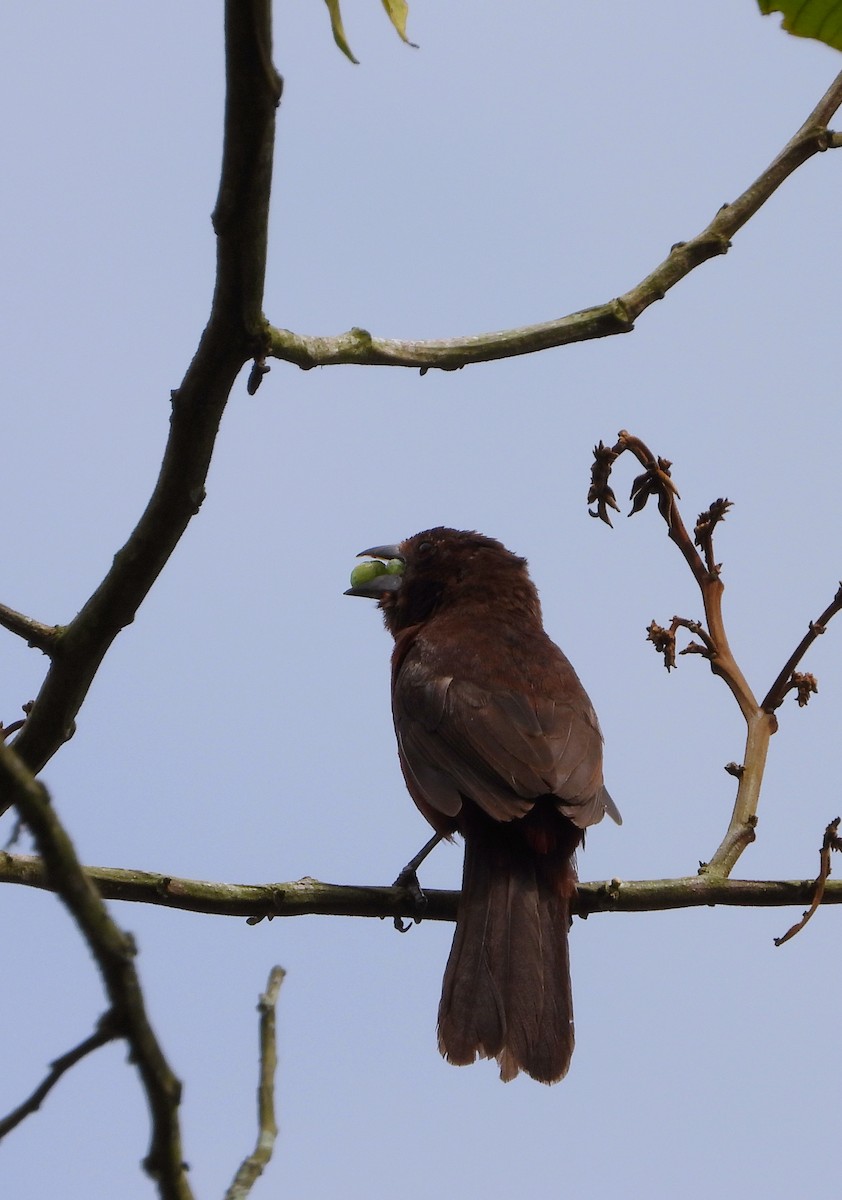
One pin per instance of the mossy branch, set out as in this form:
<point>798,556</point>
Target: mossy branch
<point>361,348</point>
<point>303,897</point>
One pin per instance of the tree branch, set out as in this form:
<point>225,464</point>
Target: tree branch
<point>761,722</point>
<point>236,332</point>
<point>307,897</point>
<point>830,842</point>
<point>775,696</point>
<point>361,348</point>
<point>113,951</point>
<point>267,1127</point>
<point>40,637</point>
<point>105,1032</point>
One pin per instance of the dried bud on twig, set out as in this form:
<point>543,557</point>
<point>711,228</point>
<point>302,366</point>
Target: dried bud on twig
<point>703,533</point>
<point>664,642</point>
<point>600,492</point>
<point>695,648</point>
<point>259,368</point>
<point>804,685</point>
<point>655,481</point>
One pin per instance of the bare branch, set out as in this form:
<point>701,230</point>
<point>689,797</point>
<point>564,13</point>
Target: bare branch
<point>831,841</point>
<point>774,697</point>
<point>267,1127</point>
<point>304,897</point>
<point>714,646</point>
<point>113,951</point>
<point>360,347</point>
<point>105,1032</point>
<point>235,333</point>
<point>40,637</point>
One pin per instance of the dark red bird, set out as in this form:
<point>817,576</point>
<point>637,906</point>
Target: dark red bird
<point>498,741</point>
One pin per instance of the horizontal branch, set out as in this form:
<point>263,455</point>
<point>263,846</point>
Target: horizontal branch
<point>358,347</point>
<point>307,896</point>
<point>361,348</point>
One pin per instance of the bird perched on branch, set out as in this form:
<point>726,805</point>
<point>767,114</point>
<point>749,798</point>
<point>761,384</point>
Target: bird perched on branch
<point>497,741</point>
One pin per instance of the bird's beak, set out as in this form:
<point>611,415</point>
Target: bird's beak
<point>380,585</point>
<point>382,552</point>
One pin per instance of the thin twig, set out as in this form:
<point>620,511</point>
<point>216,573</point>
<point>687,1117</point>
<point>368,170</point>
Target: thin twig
<point>253,1166</point>
<point>360,347</point>
<point>105,1032</point>
<point>830,842</point>
<point>774,697</point>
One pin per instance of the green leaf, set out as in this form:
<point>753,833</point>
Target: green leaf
<point>398,11</point>
<point>338,30</point>
<point>819,19</point>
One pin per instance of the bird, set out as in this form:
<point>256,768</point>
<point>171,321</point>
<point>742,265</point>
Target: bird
<point>499,742</point>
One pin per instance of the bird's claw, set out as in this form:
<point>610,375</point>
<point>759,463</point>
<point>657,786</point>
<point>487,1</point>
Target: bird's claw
<point>407,881</point>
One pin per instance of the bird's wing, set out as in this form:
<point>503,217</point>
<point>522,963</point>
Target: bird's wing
<point>501,749</point>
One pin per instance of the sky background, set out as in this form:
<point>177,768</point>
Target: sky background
<point>522,164</point>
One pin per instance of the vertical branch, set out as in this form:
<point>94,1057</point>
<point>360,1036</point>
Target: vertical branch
<point>760,727</point>
<point>235,333</point>
<point>252,1167</point>
<point>740,832</point>
<point>656,481</point>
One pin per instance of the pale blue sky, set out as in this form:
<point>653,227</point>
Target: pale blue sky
<point>520,165</point>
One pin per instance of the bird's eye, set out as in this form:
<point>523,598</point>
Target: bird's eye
<point>425,547</point>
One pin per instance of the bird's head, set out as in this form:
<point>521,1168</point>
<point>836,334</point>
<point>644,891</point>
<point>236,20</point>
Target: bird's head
<point>419,577</point>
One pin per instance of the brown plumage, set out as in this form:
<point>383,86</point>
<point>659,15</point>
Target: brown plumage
<point>497,740</point>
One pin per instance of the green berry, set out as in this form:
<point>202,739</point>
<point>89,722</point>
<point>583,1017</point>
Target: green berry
<point>395,567</point>
<point>364,572</point>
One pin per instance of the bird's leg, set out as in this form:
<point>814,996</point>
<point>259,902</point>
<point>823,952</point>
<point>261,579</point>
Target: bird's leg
<point>408,881</point>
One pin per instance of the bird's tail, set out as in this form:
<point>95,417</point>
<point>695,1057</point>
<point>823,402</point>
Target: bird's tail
<point>506,991</point>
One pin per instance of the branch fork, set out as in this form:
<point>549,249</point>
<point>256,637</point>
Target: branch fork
<point>713,644</point>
